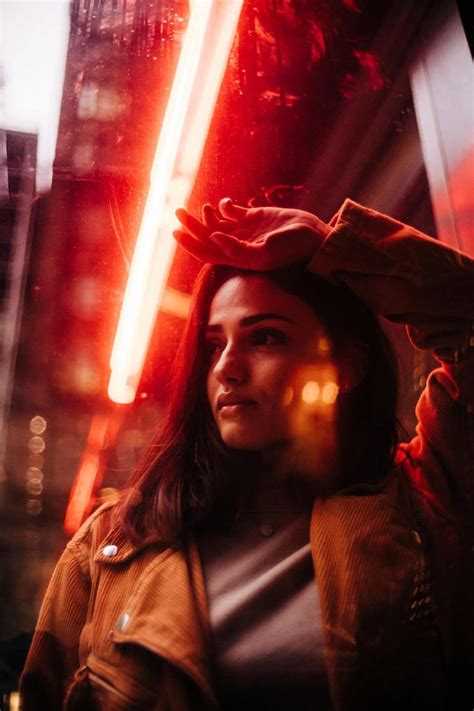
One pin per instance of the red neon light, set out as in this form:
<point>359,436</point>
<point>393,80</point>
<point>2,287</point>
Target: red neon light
<point>202,62</point>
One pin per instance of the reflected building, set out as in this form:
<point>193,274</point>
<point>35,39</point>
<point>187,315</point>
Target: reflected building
<point>117,77</point>
<point>118,74</point>
<point>120,61</point>
<point>17,193</point>
<point>17,206</point>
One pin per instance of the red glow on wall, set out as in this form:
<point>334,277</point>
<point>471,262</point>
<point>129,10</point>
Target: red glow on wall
<point>370,63</point>
<point>352,5</point>
<point>458,198</point>
<point>368,79</point>
<point>318,43</point>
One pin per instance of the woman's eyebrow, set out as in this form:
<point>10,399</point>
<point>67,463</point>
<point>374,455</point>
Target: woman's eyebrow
<point>250,320</point>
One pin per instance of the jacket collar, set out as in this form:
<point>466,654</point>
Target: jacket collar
<point>117,548</point>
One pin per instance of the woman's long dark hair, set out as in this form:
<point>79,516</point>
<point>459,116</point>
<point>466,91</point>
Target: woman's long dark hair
<point>185,472</point>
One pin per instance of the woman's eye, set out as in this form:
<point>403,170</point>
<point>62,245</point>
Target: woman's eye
<point>267,337</point>
<point>213,347</point>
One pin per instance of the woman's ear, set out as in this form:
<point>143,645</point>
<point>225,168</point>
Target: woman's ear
<point>352,366</point>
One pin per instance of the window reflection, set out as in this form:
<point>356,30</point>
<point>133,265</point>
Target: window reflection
<point>315,105</point>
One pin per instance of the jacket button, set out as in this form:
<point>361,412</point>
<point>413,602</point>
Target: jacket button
<point>122,622</point>
<point>109,551</point>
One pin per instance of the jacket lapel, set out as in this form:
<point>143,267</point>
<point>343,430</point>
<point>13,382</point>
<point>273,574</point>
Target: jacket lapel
<point>165,611</point>
<point>368,557</point>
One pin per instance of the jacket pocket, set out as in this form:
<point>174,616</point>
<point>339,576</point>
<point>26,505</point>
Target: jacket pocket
<point>78,695</point>
<point>93,692</point>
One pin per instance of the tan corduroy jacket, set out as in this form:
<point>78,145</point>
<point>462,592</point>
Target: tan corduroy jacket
<point>125,626</point>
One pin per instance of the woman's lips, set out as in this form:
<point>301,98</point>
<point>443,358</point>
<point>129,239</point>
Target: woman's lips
<point>236,409</point>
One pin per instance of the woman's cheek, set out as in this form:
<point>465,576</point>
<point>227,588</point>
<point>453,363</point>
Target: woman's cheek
<point>310,397</point>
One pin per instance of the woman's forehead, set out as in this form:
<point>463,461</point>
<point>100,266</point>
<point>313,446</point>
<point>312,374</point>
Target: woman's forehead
<point>247,295</point>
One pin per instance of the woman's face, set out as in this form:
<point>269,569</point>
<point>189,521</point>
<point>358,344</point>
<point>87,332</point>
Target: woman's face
<point>270,378</point>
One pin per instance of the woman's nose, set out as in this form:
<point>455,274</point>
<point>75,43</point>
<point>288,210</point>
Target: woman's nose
<point>231,367</point>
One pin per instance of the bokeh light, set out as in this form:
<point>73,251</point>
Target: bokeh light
<point>310,392</point>
<point>38,425</point>
<point>329,394</point>
<point>36,444</point>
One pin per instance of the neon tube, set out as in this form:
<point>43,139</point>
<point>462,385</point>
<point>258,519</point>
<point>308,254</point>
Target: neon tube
<point>202,62</point>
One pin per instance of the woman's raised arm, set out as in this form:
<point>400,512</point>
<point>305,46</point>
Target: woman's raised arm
<point>412,279</point>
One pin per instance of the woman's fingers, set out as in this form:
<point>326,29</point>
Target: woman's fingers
<point>210,217</point>
<point>231,211</point>
<point>193,225</point>
<point>203,251</point>
<point>207,216</point>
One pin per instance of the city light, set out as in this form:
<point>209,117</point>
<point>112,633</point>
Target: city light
<point>310,392</point>
<point>38,425</point>
<point>201,65</point>
<point>330,392</point>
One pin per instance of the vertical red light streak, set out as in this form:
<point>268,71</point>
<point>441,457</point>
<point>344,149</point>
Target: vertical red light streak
<point>202,62</point>
<point>102,433</point>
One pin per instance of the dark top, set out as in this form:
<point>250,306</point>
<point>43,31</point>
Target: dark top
<point>264,611</point>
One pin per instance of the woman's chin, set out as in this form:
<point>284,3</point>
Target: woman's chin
<point>248,439</point>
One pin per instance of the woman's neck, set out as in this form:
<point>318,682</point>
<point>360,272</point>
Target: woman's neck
<point>310,468</point>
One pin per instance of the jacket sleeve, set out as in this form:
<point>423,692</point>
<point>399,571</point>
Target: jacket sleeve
<point>410,278</point>
<point>53,657</point>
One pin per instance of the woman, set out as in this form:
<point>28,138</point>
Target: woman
<point>275,548</point>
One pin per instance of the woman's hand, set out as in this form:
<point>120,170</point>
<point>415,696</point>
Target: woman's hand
<point>258,238</point>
